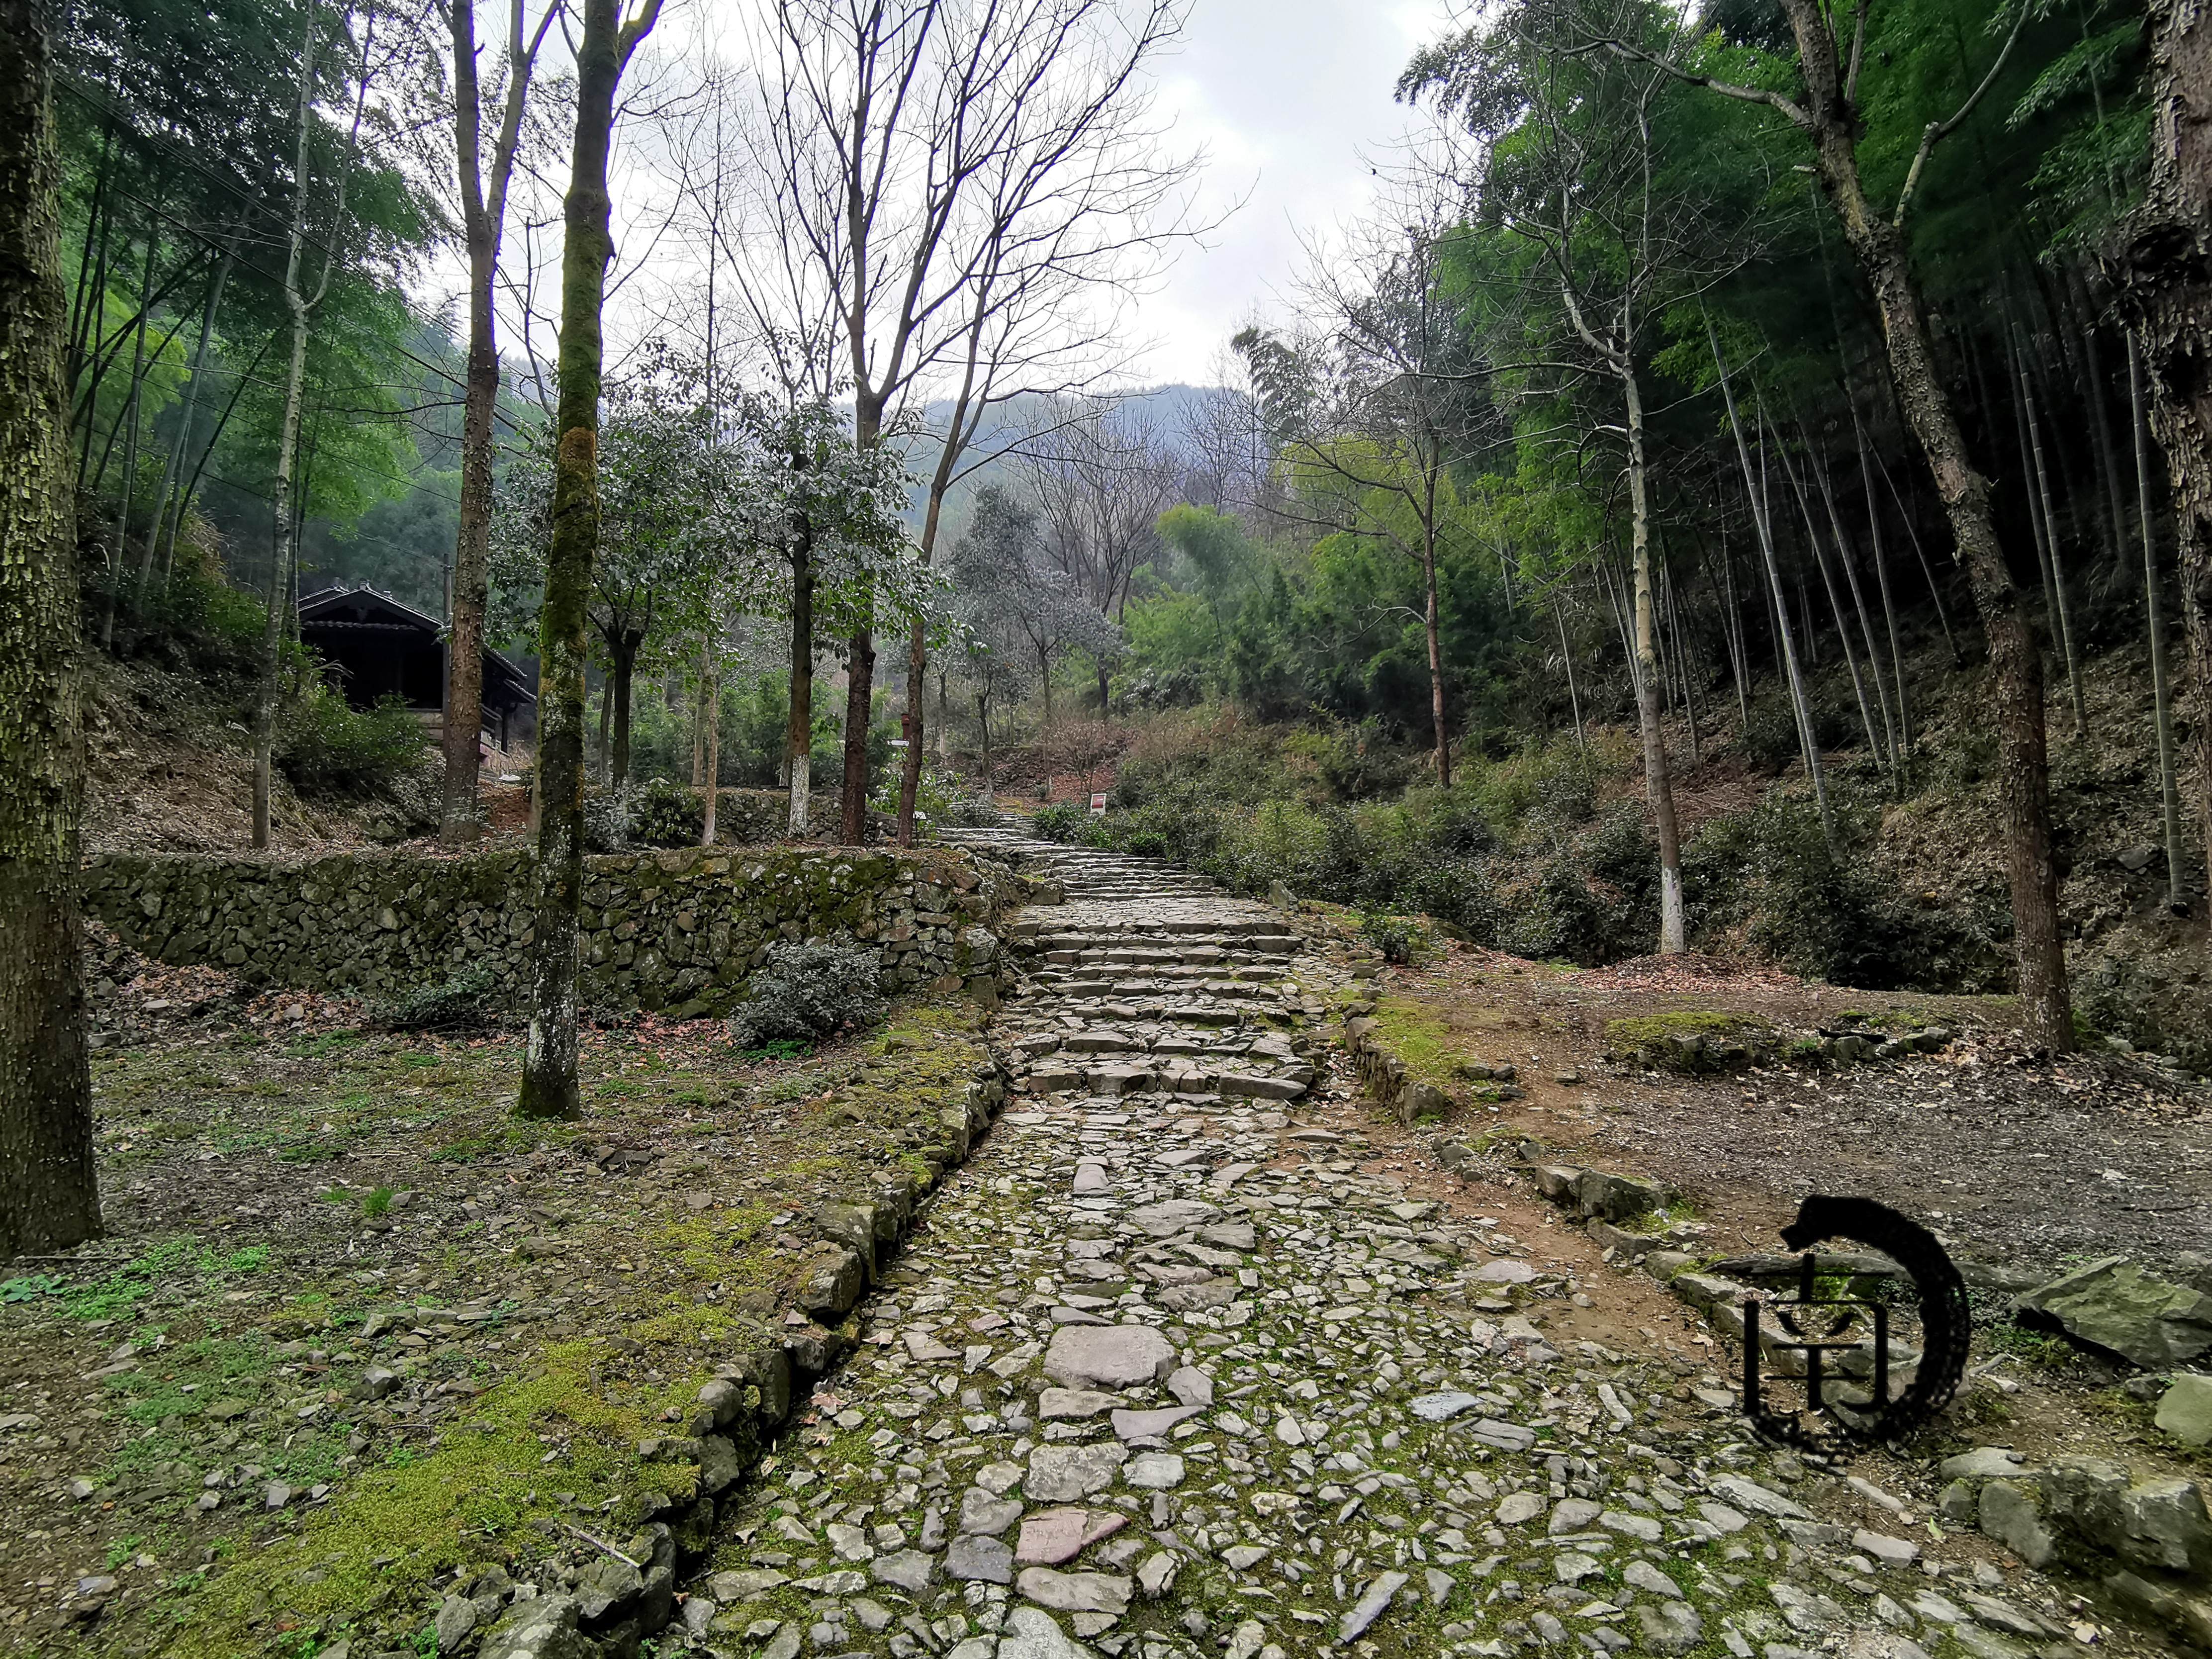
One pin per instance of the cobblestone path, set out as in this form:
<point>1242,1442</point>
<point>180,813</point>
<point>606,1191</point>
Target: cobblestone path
<point>1168,1372</point>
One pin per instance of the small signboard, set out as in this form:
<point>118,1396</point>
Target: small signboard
<point>1098,803</point>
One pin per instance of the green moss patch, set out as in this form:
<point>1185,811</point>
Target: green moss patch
<point>444,1333</point>
<point>1691,1040</point>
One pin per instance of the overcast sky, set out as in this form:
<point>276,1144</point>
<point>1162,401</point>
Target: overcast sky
<point>1286,95</point>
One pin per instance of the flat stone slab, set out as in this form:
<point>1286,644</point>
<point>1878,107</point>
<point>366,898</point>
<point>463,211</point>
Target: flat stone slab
<point>1154,1471</point>
<point>1438,1407</point>
<point>1075,1592</point>
<point>1760,1500</point>
<point>1107,1356</point>
<point>1074,1403</point>
<point>1191,1386</point>
<point>985,1515</point>
<point>1370,1606</point>
<point>1057,1474</point>
<point>1171,1215</point>
<point>980,1561</point>
<point>1143,1426</point>
<point>1051,1536</point>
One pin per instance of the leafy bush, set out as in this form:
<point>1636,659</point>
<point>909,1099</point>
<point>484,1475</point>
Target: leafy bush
<point>1062,821</point>
<point>606,821</point>
<point>939,800</point>
<point>806,992</point>
<point>197,623</point>
<point>330,752</point>
<point>662,813</point>
<point>468,999</point>
<point>1400,939</point>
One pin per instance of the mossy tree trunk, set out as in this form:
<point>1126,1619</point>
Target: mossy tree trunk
<point>548,1076</point>
<point>2163,264</point>
<point>49,1196</point>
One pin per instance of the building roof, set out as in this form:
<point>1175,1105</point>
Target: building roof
<point>365,610</point>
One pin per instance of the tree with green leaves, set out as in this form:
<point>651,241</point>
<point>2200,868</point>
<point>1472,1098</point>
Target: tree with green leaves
<point>1827,109</point>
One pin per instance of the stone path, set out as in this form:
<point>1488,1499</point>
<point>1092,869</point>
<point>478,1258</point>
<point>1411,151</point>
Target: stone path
<point>1168,1372</point>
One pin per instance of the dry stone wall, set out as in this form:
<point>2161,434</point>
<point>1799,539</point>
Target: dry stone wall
<point>677,931</point>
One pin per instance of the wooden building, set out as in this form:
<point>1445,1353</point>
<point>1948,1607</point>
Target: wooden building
<point>373,647</point>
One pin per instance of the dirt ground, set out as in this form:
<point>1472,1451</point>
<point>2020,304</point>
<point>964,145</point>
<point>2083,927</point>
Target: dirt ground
<point>353,1324</point>
<point>2024,1162</point>
<point>2024,1165</point>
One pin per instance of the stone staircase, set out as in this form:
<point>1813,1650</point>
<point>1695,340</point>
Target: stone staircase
<point>1148,981</point>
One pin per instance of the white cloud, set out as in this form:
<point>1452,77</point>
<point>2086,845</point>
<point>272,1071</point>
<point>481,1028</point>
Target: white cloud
<point>1285,95</point>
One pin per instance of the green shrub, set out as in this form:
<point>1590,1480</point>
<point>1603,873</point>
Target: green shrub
<point>661,813</point>
<point>1400,939</point>
<point>606,821</point>
<point>805,992</point>
<point>469,999</point>
<point>329,752</point>
<point>1062,822</point>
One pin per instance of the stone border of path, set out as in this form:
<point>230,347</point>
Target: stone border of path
<point>628,1593</point>
<point>2148,1544</point>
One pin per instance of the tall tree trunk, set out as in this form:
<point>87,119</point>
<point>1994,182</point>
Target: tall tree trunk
<point>1574,696</point>
<point>130,451</point>
<point>49,1191</point>
<point>2046,527</point>
<point>1881,580</point>
<point>2169,788</point>
<point>620,680</point>
<point>461,821</point>
<point>1835,599</point>
<point>1818,464</point>
<point>1681,660</point>
<point>484,213</point>
<point>2047,1011</point>
<point>2163,264</point>
<point>917,640</point>
<point>2093,393</point>
<point>798,724</point>
<point>1658,789</point>
<point>861,649</point>
<point>1433,626</point>
<point>710,709</point>
<point>287,443</point>
<point>163,529</point>
<point>1927,571</point>
<point>859,700</point>
<point>1800,707</point>
<point>549,1073</point>
<point>2072,656</point>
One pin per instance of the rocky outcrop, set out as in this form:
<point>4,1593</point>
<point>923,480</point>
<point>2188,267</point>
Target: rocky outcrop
<point>2115,1304</point>
<point>2149,1542</point>
<point>679,931</point>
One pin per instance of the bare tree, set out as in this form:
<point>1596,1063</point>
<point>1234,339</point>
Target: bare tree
<point>484,217</point>
<point>548,1077</point>
<point>1375,413</point>
<point>895,130</point>
<point>1099,478</point>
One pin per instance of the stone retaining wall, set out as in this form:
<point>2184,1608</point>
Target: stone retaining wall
<point>679,931</point>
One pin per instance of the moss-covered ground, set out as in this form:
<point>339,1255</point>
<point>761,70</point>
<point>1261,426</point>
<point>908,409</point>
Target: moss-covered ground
<point>354,1326</point>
